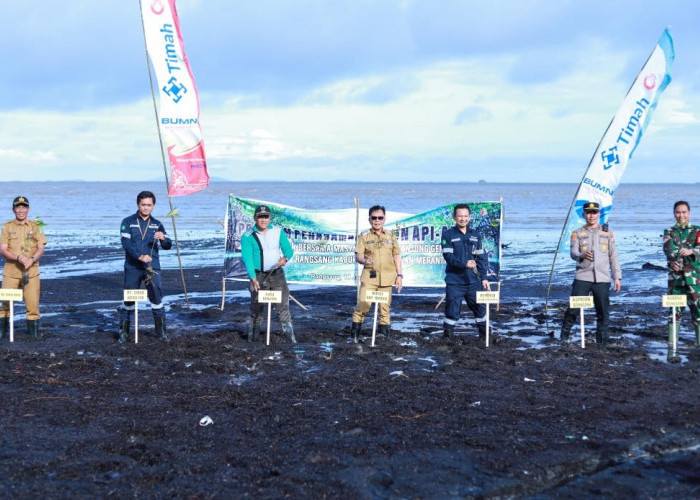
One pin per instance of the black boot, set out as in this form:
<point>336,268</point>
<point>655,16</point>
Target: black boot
<point>288,330</point>
<point>33,328</point>
<point>493,338</point>
<point>253,331</point>
<point>160,328</point>
<point>355,330</point>
<point>4,327</point>
<point>385,330</point>
<point>602,338</point>
<point>602,335</point>
<point>448,331</point>
<point>565,332</point>
<point>124,328</point>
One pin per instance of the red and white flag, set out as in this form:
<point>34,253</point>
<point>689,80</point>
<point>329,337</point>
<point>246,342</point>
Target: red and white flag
<point>179,102</point>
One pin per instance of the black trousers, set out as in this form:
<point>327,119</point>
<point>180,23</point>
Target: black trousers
<point>601,301</point>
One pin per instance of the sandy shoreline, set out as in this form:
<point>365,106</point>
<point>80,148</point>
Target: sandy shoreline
<point>417,416</point>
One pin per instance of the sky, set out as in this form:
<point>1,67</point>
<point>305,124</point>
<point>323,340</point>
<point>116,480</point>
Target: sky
<point>355,90</point>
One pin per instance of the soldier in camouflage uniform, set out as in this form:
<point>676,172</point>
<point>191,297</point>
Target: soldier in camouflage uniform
<point>682,249</point>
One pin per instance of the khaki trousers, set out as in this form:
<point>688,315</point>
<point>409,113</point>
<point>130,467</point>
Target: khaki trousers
<point>31,296</point>
<point>363,307</point>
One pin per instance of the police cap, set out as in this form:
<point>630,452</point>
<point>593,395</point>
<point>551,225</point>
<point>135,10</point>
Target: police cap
<point>20,200</point>
<point>591,206</point>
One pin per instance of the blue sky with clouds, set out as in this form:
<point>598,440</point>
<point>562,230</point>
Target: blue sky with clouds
<point>394,90</point>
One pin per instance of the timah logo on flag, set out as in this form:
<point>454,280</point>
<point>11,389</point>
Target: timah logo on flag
<point>610,157</point>
<point>175,90</point>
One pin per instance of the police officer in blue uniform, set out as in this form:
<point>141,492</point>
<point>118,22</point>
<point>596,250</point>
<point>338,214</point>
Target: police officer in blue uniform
<point>141,236</point>
<point>465,273</point>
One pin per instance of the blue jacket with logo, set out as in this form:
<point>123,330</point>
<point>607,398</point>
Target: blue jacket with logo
<point>457,249</point>
<point>138,240</point>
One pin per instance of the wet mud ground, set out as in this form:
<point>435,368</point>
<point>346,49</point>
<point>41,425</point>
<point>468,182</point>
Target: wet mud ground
<point>417,416</point>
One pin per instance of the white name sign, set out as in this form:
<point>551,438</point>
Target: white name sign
<point>16,294</point>
<point>135,295</point>
<point>377,296</point>
<point>270,296</point>
<point>581,301</point>
<point>488,297</point>
<point>674,300</point>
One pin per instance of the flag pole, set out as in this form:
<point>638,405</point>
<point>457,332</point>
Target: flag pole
<point>356,202</point>
<point>162,154</point>
<point>568,214</point>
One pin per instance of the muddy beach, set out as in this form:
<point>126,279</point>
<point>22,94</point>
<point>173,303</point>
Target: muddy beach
<point>417,416</point>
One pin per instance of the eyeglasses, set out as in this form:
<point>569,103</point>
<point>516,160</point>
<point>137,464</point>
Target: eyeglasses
<point>263,217</point>
<point>377,217</point>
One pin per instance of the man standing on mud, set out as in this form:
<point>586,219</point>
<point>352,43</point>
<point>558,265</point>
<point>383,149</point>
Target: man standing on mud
<point>465,272</point>
<point>593,248</point>
<point>141,235</point>
<point>378,251</point>
<point>682,249</point>
<point>22,244</point>
<point>265,249</point>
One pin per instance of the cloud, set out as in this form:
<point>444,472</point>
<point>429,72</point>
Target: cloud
<point>472,114</point>
<point>329,90</point>
<point>28,155</point>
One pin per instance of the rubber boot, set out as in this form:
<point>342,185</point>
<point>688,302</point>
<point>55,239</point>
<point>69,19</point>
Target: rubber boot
<point>4,327</point>
<point>161,332</point>
<point>448,331</point>
<point>671,333</point>
<point>697,334</point>
<point>355,330</point>
<point>672,356</point>
<point>124,328</point>
<point>385,330</point>
<point>602,337</point>
<point>565,332</point>
<point>493,338</point>
<point>33,328</point>
<point>288,330</point>
<point>253,331</point>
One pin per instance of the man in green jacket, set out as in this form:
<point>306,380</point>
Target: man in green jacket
<point>265,249</point>
<point>682,249</point>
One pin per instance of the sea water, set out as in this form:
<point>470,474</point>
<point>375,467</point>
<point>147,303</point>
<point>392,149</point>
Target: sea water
<point>86,215</point>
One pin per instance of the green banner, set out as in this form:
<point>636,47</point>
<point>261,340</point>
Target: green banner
<point>324,241</point>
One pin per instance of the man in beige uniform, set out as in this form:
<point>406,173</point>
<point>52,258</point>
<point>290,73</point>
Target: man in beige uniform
<point>379,252</point>
<point>22,245</point>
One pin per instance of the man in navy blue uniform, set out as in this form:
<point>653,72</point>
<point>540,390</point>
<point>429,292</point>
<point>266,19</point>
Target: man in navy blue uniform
<point>141,235</point>
<point>465,272</point>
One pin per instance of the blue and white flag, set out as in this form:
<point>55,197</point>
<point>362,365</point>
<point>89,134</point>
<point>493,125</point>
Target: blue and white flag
<point>622,137</point>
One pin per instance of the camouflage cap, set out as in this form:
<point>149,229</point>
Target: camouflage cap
<point>261,210</point>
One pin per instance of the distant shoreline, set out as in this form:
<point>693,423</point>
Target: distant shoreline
<point>267,181</point>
